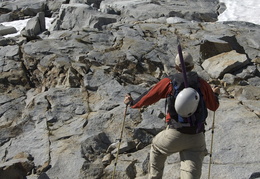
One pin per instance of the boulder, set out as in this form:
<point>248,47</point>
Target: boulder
<point>16,168</point>
<point>125,147</point>
<point>206,11</point>
<point>212,47</point>
<point>5,30</point>
<point>27,7</point>
<point>54,5</point>
<point>224,63</point>
<point>35,26</point>
<point>79,16</point>
<point>7,16</point>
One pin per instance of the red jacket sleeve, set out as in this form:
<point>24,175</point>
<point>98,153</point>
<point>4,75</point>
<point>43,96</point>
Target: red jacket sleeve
<point>161,90</point>
<point>208,95</point>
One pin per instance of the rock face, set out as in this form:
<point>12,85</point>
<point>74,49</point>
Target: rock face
<point>62,89</point>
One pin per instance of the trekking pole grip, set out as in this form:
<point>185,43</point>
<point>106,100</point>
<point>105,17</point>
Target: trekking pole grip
<point>129,100</point>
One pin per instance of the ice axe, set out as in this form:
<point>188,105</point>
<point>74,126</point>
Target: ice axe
<point>184,73</point>
<point>182,64</point>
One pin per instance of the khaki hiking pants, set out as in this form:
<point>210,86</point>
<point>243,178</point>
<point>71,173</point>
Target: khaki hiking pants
<point>192,149</point>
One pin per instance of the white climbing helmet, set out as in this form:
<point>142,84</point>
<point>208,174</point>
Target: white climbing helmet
<point>186,102</point>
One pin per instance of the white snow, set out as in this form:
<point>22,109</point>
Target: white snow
<point>241,10</point>
<point>20,24</point>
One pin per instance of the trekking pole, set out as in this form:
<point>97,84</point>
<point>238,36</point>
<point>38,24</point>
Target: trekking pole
<point>211,145</point>
<point>120,139</point>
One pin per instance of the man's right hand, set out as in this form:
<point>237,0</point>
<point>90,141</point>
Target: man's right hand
<point>128,99</point>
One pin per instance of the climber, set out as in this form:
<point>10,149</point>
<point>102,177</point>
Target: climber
<point>185,119</point>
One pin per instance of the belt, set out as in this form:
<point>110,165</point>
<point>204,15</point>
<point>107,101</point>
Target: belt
<point>176,125</point>
<point>185,128</point>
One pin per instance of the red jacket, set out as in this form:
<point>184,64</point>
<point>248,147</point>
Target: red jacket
<point>164,88</point>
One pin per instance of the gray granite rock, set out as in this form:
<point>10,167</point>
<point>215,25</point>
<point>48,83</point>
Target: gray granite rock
<point>62,91</point>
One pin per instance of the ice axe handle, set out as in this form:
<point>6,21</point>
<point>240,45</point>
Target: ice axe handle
<point>182,64</point>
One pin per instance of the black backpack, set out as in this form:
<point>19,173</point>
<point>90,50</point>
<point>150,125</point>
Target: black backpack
<point>197,121</point>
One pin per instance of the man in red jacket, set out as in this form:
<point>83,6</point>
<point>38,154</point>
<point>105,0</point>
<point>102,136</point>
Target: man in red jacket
<point>180,137</point>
